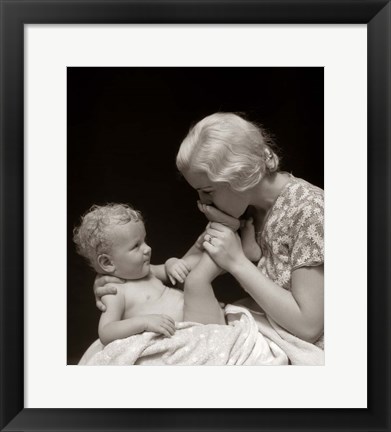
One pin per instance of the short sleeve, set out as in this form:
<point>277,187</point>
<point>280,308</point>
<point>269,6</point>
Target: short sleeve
<point>308,239</point>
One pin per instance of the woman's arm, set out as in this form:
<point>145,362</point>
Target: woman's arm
<point>300,310</point>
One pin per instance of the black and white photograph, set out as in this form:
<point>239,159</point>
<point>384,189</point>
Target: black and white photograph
<point>194,184</point>
<point>195,216</point>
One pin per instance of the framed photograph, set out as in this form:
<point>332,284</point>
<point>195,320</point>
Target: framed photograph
<point>98,101</point>
<point>116,106</point>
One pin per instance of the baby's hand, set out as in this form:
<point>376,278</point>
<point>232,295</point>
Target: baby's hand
<point>162,324</point>
<point>176,270</point>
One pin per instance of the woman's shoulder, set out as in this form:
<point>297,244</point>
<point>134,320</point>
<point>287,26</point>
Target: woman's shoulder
<point>298,201</point>
<point>308,205</point>
<point>301,193</point>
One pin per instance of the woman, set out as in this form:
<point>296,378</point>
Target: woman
<point>232,165</point>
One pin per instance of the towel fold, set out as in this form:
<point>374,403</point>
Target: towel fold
<point>238,343</point>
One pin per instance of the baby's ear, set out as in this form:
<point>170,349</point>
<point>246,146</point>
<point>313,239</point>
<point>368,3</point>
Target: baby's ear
<point>105,263</point>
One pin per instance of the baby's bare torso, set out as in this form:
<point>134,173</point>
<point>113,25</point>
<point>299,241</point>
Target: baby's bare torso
<point>150,296</point>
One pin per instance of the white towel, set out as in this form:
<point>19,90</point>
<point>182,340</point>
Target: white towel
<point>238,343</point>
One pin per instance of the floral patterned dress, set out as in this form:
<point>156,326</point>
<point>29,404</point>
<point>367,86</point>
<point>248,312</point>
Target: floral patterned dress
<point>293,232</point>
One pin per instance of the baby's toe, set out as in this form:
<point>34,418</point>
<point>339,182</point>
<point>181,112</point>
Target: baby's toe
<point>249,227</point>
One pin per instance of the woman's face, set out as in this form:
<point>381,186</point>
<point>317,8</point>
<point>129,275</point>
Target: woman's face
<point>221,195</point>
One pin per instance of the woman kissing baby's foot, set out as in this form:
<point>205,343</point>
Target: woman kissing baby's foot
<point>213,214</point>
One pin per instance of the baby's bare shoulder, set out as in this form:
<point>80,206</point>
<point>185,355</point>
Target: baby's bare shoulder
<point>128,287</point>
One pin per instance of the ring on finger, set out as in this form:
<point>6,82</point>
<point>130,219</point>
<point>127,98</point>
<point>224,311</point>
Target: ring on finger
<point>210,239</point>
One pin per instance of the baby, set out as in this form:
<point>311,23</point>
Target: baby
<point>112,239</point>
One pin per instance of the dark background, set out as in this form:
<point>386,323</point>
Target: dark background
<point>125,126</point>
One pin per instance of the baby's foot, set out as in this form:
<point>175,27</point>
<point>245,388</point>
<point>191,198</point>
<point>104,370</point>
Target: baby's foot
<point>249,244</point>
<point>213,214</point>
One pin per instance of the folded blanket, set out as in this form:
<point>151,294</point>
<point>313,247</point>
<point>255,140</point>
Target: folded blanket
<point>299,352</point>
<point>238,343</point>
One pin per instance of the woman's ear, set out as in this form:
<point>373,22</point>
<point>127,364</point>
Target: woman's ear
<point>271,160</point>
<point>105,263</point>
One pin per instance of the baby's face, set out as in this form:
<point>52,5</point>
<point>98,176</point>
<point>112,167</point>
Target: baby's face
<point>130,254</point>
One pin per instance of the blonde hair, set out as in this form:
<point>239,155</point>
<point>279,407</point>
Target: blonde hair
<point>92,236</point>
<point>228,149</point>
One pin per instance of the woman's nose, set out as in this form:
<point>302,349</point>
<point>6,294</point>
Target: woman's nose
<point>147,249</point>
<point>205,198</point>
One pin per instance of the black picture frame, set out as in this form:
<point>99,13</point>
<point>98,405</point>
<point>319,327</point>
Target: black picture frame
<point>376,14</point>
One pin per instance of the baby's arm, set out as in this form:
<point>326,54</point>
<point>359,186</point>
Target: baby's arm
<point>159,271</point>
<point>177,269</point>
<point>112,327</point>
<point>173,270</point>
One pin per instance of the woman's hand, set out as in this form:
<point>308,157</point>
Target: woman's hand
<point>200,240</point>
<point>103,285</point>
<point>213,214</point>
<point>224,246</point>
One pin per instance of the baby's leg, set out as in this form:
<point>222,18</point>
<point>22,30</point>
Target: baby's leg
<point>250,246</point>
<point>201,304</point>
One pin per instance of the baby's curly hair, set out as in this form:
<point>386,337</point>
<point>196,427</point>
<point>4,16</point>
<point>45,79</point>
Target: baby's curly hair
<point>92,236</point>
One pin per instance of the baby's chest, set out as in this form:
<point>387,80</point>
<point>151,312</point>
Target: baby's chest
<point>150,302</point>
<point>139,297</point>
